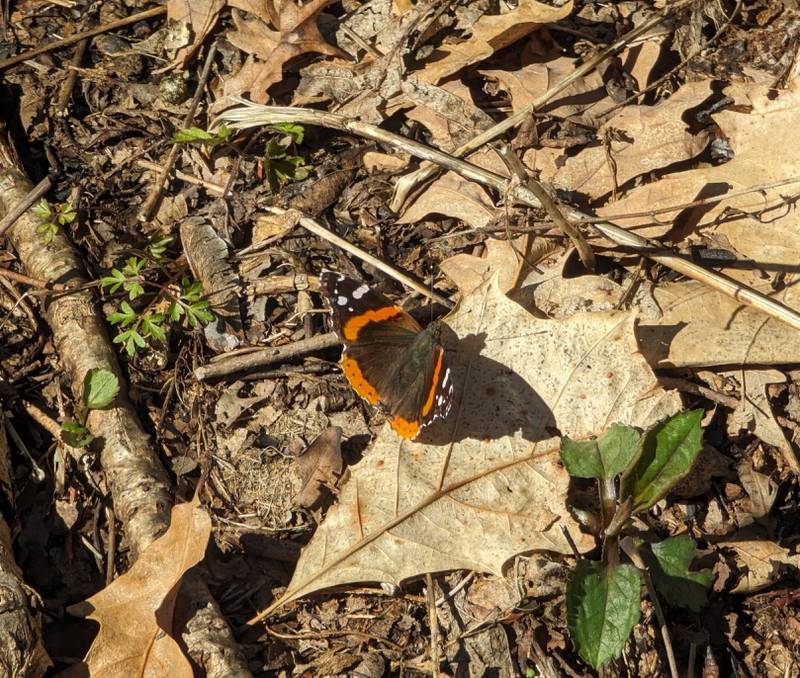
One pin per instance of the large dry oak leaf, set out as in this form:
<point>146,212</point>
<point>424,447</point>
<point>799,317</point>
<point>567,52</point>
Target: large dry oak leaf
<point>135,611</point>
<point>486,484</point>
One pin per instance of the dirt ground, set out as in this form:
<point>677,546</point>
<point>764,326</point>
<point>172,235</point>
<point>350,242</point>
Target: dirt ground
<point>174,236</point>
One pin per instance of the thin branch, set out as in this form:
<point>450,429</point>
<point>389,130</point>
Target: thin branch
<point>318,229</point>
<point>72,39</point>
<point>24,205</point>
<point>151,203</point>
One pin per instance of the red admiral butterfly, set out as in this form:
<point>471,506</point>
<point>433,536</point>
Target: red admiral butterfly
<point>388,358</point>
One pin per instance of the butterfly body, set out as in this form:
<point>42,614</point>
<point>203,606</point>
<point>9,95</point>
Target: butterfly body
<point>388,358</point>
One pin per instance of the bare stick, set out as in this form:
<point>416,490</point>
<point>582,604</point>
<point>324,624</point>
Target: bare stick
<point>210,186</point>
<point>151,203</point>
<point>72,39</point>
<point>265,356</point>
<point>430,596</point>
<point>65,93</point>
<point>20,208</point>
<point>255,115</point>
<point>318,229</point>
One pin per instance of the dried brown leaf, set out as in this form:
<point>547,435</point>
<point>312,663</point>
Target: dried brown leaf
<point>320,467</point>
<point>640,139</point>
<point>486,484</point>
<point>468,271</point>
<point>294,33</point>
<point>135,611</point>
<point>200,16</point>
<point>452,196</point>
<point>761,561</point>
<point>493,32</point>
<point>761,489</point>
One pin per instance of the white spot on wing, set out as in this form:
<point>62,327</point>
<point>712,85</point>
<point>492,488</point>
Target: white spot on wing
<point>341,300</point>
<point>360,291</point>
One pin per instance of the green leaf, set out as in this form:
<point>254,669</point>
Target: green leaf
<point>151,326</point>
<point>125,316</point>
<point>602,609</point>
<point>133,266</point>
<point>604,457</point>
<point>668,452</point>
<point>66,215</point>
<point>41,209</point>
<point>100,387</point>
<point>48,230</point>
<point>294,131</point>
<point>197,135</point>
<point>134,289</point>
<point>668,562</point>
<point>75,435</point>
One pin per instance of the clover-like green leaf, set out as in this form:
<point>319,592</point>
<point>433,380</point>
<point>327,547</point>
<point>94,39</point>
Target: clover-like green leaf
<point>603,457</point>
<point>100,387</point>
<point>124,316</point>
<point>669,562</point>
<point>603,606</point>
<point>41,210</point>
<point>75,435</point>
<point>668,451</point>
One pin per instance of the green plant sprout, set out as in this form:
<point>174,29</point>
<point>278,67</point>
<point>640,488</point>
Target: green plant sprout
<point>196,135</point>
<point>603,597</point>
<point>138,325</point>
<point>280,164</point>
<point>53,217</point>
<point>100,387</point>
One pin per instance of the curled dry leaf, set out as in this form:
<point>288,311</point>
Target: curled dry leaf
<point>761,489</point>
<point>320,467</point>
<point>199,16</point>
<point>135,611</point>
<point>490,33</point>
<point>468,271</point>
<point>485,483</point>
<point>637,140</point>
<point>761,561</point>
<point>452,196</point>
<point>295,32</point>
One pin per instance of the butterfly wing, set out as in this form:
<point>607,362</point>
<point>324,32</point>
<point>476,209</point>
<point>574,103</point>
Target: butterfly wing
<point>388,357</point>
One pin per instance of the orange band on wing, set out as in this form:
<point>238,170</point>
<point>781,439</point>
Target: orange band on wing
<point>353,373</point>
<point>353,326</point>
<point>429,402</point>
<point>405,428</point>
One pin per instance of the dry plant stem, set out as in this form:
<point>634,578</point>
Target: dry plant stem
<point>72,39</point>
<point>51,426</point>
<point>210,186</point>
<point>232,364</point>
<point>318,229</point>
<point>22,652</point>
<point>23,205</point>
<point>696,203</point>
<point>254,115</point>
<point>139,485</point>
<point>65,93</point>
<point>633,553</point>
<point>434,624</point>
<point>408,183</point>
<point>27,280</point>
<point>151,203</point>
